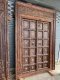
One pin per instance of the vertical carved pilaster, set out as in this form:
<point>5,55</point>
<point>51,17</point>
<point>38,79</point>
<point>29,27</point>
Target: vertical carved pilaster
<point>3,38</point>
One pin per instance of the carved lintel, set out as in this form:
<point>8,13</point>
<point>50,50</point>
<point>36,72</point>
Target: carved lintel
<point>35,11</point>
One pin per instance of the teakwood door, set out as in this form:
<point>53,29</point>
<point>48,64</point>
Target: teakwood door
<point>3,41</point>
<point>34,34</point>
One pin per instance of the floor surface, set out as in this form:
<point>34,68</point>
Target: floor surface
<point>46,76</point>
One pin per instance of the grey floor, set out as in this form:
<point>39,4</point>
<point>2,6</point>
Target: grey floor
<point>46,76</point>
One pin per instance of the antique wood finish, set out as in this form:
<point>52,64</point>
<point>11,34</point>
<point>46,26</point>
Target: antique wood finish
<point>34,34</point>
<point>2,72</point>
<point>3,40</point>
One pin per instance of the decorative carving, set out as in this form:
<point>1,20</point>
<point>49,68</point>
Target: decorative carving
<point>39,51</point>
<point>45,26</point>
<point>3,40</point>
<point>26,52</point>
<point>32,52</point>
<point>32,60</point>
<point>32,39</point>
<point>33,67</point>
<point>39,25</point>
<point>39,35</point>
<point>25,24</point>
<point>39,43</point>
<point>25,60</point>
<point>25,69</point>
<point>40,66</point>
<point>32,25</point>
<point>40,59</point>
<point>2,72</point>
<point>45,51</point>
<point>26,34</point>
<point>32,43</point>
<point>32,12</point>
<point>26,43</point>
<point>1,6</point>
<point>32,34</point>
<point>1,1</point>
<point>45,35</point>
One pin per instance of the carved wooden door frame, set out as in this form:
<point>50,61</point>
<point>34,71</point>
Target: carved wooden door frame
<point>29,11</point>
<point>4,54</point>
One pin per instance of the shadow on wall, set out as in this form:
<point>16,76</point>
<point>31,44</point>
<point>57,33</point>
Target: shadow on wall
<point>11,29</point>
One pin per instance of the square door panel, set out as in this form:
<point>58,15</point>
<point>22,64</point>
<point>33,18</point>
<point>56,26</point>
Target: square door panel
<point>32,43</point>
<point>25,60</point>
<point>26,52</point>
<point>32,60</point>
<point>25,68</point>
<point>39,35</point>
<point>26,43</point>
<point>40,58</point>
<point>45,65</point>
<point>45,27</point>
<point>32,67</point>
<point>45,58</point>
<point>45,35</point>
<point>32,52</point>
<point>40,66</point>
<point>39,26</point>
<point>25,24</point>
<point>45,43</point>
<point>26,34</point>
<point>32,25</point>
<point>39,43</point>
<point>45,50</point>
<point>32,34</point>
<point>39,51</point>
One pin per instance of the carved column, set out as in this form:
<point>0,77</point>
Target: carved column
<point>3,39</point>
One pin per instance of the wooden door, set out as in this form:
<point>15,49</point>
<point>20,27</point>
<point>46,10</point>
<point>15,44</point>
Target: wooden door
<point>34,40</point>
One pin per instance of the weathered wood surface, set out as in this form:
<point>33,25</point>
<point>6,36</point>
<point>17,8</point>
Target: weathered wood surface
<point>31,12</point>
<point>2,72</point>
<point>3,37</point>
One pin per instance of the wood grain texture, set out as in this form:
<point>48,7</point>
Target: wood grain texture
<point>34,14</point>
<point>3,36</point>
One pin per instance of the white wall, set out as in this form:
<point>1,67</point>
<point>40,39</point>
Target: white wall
<point>57,34</point>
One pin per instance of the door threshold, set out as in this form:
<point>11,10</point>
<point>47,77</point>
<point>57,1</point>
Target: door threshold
<point>54,72</point>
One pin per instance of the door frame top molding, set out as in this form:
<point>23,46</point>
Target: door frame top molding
<point>35,7</point>
<point>26,9</point>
